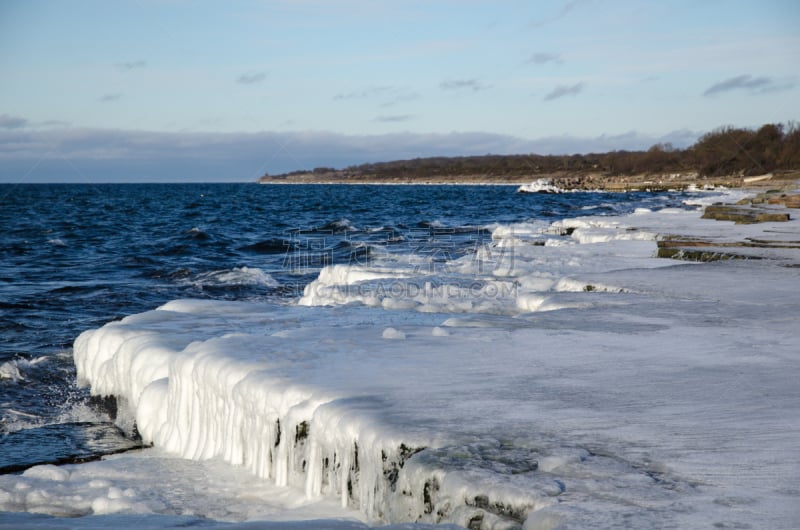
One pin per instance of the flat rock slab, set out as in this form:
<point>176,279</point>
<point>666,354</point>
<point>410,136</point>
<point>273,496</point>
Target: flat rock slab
<point>789,201</point>
<point>743,214</point>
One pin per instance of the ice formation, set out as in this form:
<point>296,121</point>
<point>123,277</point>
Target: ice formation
<point>563,374</point>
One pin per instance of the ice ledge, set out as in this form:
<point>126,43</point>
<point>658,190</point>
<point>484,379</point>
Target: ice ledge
<point>199,391</point>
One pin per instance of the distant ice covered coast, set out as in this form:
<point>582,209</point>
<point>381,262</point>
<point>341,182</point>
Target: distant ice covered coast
<point>561,377</point>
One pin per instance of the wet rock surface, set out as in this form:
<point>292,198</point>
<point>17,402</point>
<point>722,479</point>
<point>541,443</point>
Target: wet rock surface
<point>743,214</point>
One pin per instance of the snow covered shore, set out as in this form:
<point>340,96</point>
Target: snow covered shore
<point>562,377</point>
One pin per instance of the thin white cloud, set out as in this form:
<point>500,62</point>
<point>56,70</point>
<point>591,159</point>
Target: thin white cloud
<point>251,78</point>
<point>394,118</point>
<point>463,84</point>
<point>388,95</point>
<point>544,58</point>
<point>748,83</point>
<point>565,90</point>
<point>400,97</point>
<point>563,12</point>
<point>369,92</point>
<point>131,65</point>
<point>53,123</point>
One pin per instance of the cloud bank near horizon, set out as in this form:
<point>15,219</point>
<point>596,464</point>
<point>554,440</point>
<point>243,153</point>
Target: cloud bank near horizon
<point>106,155</point>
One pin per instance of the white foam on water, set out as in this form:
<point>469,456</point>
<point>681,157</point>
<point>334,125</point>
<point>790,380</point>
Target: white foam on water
<point>10,370</point>
<point>236,276</point>
<point>14,370</point>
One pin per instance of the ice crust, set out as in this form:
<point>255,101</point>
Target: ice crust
<point>561,377</point>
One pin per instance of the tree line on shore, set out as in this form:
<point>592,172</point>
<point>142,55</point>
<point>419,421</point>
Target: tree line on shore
<point>725,151</point>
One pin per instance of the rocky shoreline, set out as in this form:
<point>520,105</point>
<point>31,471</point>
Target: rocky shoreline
<point>566,181</point>
<point>775,205</point>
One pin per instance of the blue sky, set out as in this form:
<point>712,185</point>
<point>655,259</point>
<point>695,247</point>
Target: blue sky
<point>200,90</point>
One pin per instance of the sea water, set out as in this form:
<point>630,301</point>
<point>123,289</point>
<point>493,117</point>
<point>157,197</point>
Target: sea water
<point>385,354</point>
<point>77,256</point>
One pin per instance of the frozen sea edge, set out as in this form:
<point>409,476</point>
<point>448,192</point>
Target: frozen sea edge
<point>609,386</point>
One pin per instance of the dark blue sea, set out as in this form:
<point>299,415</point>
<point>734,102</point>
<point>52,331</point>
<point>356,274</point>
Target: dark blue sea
<point>73,257</point>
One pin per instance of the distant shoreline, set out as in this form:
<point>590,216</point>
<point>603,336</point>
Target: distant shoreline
<point>717,159</point>
<point>566,183</point>
<point>385,183</point>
